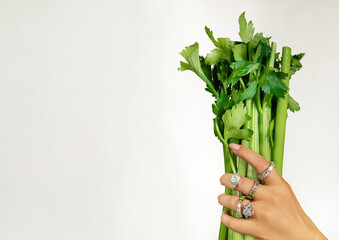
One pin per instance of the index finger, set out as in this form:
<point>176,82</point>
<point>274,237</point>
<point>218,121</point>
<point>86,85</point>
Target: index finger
<point>257,161</point>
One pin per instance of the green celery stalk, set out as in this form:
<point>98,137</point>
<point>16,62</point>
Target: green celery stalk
<point>266,114</point>
<point>265,119</point>
<point>281,114</point>
<point>223,231</point>
<point>254,143</point>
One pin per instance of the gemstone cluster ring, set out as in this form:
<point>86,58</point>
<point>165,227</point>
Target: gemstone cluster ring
<point>235,179</point>
<point>247,212</point>
<point>267,171</point>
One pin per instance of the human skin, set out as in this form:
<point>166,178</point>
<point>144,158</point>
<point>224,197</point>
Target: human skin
<point>276,214</point>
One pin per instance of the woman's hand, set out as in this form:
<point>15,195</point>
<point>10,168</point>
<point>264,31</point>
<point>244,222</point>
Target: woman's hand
<point>276,214</point>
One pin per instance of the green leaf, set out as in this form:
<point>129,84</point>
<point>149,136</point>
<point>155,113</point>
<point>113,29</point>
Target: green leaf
<point>217,55</point>
<point>222,103</point>
<point>242,68</point>
<point>240,134</point>
<point>223,51</point>
<point>273,84</point>
<point>233,120</point>
<point>249,92</point>
<point>235,94</point>
<point>223,72</point>
<point>292,104</point>
<point>215,110</point>
<point>210,35</point>
<point>257,37</point>
<point>295,63</point>
<point>206,69</point>
<point>191,55</point>
<point>262,52</point>
<point>233,79</point>
<point>246,30</point>
<point>260,37</point>
<point>224,44</point>
<point>196,64</point>
<point>240,52</point>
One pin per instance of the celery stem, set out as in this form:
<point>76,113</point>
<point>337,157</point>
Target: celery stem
<point>281,114</point>
<point>242,83</point>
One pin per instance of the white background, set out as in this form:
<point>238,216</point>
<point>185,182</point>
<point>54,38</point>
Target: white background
<point>102,138</point>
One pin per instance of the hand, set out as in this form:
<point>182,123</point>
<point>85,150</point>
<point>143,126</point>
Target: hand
<point>276,214</point>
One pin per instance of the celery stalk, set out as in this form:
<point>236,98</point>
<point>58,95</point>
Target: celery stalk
<point>281,114</point>
<point>265,119</point>
<point>254,143</point>
<point>223,231</point>
<point>266,114</point>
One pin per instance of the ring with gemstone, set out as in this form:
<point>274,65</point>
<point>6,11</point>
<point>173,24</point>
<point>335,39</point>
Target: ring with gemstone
<point>247,212</point>
<point>267,171</point>
<point>241,199</point>
<point>235,179</point>
<point>254,189</point>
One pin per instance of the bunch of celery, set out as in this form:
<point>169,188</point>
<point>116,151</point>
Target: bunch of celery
<point>250,83</point>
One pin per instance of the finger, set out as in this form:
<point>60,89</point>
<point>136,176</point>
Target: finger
<point>231,202</point>
<point>243,226</point>
<point>257,161</point>
<point>245,185</point>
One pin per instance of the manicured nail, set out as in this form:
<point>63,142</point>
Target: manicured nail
<point>234,146</point>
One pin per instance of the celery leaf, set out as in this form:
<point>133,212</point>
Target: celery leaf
<point>295,63</point>
<point>273,84</point>
<point>249,92</point>
<point>292,104</point>
<point>222,52</point>
<point>217,55</point>
<point>246,30</point>
<point>222,103</point>
<point>196,64</point>
<point>240,52</point>
<point>234,119</point>
<point>241,68</point>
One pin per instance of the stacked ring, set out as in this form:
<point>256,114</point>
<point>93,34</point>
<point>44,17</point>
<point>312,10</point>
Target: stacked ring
<point>241,199</point>
<point>267,171</point>
<point>254,189</point>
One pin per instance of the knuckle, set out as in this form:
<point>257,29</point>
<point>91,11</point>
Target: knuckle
<point>266,214</point>
<point>287,186</point>
<point>275,199</point>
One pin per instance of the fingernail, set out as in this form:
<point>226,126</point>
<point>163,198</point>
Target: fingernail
<point>234,146</point>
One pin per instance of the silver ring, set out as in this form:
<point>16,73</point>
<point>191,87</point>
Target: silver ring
<point>235,179</point>
<point>267,171</point>
<point>254,189</point>
<point>241,199</point>
<point>248,209</point>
